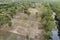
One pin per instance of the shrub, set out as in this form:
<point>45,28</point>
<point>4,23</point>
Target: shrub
<point>10,24</point>
<point>27,12</point>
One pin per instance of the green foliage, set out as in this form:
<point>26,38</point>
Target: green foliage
<point>47,20</point>
<point>27,12</point>
<point>6,10</point>
<point>10,24</point>
<point>25,5</point>
<point>48,35</point>
<point>55,6</point>
<point>27,36</point>
<point>4,19</point>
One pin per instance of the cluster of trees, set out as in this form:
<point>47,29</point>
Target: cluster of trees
<point>55,6</point>
<point>47,21</point>
<point>6,13</point>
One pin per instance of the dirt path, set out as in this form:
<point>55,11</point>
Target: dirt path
<point>23,24</point>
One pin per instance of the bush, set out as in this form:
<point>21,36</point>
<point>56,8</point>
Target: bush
<point>48,35</point>
<point>10,24</point>
<point>27,36</point>
<point>47,21</point>
<point>27,12</point>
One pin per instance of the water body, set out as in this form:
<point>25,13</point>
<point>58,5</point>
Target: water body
<point>55,35</point>
<point>55,32</point>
